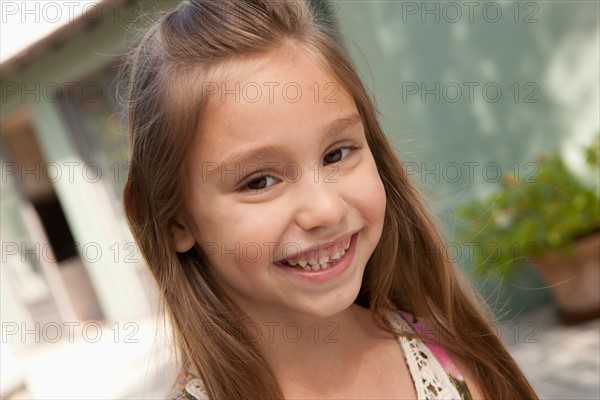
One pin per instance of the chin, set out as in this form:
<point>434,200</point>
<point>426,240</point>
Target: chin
<point>331,309</point>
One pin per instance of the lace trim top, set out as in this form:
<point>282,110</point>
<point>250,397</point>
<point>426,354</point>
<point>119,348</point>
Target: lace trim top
<point>433,373</point>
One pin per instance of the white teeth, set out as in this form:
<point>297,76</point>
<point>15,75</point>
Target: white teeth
<point>338,255</point>
<point>316,265</point>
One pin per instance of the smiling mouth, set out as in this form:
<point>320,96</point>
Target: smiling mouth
<point>320,258</point>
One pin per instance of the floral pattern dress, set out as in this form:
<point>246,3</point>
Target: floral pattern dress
<point>434,375</point>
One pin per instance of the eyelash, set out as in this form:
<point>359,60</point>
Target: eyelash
<point>258,176</point>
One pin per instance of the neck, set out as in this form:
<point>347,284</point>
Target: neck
<point>298,343</point>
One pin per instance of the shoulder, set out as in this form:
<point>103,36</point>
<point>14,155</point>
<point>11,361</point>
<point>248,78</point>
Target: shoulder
<point>429,361</point>
<point>188,387</point>
<point>469,377</point>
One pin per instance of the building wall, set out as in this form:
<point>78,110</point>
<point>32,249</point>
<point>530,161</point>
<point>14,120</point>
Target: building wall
<point>435,69</point>
<point>56,100</point>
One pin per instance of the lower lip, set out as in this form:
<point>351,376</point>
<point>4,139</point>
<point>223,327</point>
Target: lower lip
<point>324,275</point>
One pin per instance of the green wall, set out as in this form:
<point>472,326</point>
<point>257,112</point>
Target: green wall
<point>415,56</point>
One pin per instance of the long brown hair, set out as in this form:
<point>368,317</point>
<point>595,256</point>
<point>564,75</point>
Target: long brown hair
<point>165,102</point>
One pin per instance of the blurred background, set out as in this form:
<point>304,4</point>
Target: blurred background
<point>493,107</point>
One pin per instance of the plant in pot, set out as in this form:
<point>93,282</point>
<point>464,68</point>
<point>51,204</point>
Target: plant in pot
<point>551,221</point>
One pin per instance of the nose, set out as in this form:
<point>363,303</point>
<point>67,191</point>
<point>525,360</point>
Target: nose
<point>321,204</point>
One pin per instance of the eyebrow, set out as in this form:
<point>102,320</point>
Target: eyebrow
<point>271,152</point>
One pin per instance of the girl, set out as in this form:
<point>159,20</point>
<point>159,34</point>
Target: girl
<point>293,256</point>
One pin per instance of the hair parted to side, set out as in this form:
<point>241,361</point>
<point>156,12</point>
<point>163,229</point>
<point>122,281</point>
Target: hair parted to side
<point>408,268</point>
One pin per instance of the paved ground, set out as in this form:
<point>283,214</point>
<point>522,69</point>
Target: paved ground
<point>561,362</point>
<point>122,362</point>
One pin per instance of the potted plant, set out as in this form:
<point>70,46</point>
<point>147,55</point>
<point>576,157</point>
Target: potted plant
<point>551,221</point>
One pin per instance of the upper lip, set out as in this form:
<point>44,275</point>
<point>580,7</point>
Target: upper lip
<point>317,251</point>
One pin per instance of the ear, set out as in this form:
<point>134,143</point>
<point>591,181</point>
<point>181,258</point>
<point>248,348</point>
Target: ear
<point>182,237</point>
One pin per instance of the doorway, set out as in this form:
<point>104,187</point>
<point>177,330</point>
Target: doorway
<point>45,243</point>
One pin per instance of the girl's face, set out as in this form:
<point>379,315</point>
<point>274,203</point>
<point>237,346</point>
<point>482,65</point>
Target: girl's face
<point>285,198</point>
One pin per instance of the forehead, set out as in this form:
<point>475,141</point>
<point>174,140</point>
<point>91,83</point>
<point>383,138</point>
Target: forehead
<point>268,98</point>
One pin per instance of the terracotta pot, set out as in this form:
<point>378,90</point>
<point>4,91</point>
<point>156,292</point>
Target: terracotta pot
<point>574,279</point>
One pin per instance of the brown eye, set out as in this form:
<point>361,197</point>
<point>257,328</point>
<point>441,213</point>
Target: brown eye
<point>260,183</point>
<point>336,155</point>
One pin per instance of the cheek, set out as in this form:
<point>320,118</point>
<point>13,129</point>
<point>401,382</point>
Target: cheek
<point>236,249</point>
<point>226,224</point>
<point>371,194</point>
<point>238,265</point>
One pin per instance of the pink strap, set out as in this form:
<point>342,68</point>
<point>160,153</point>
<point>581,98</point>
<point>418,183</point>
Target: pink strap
<point>438,351</point>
